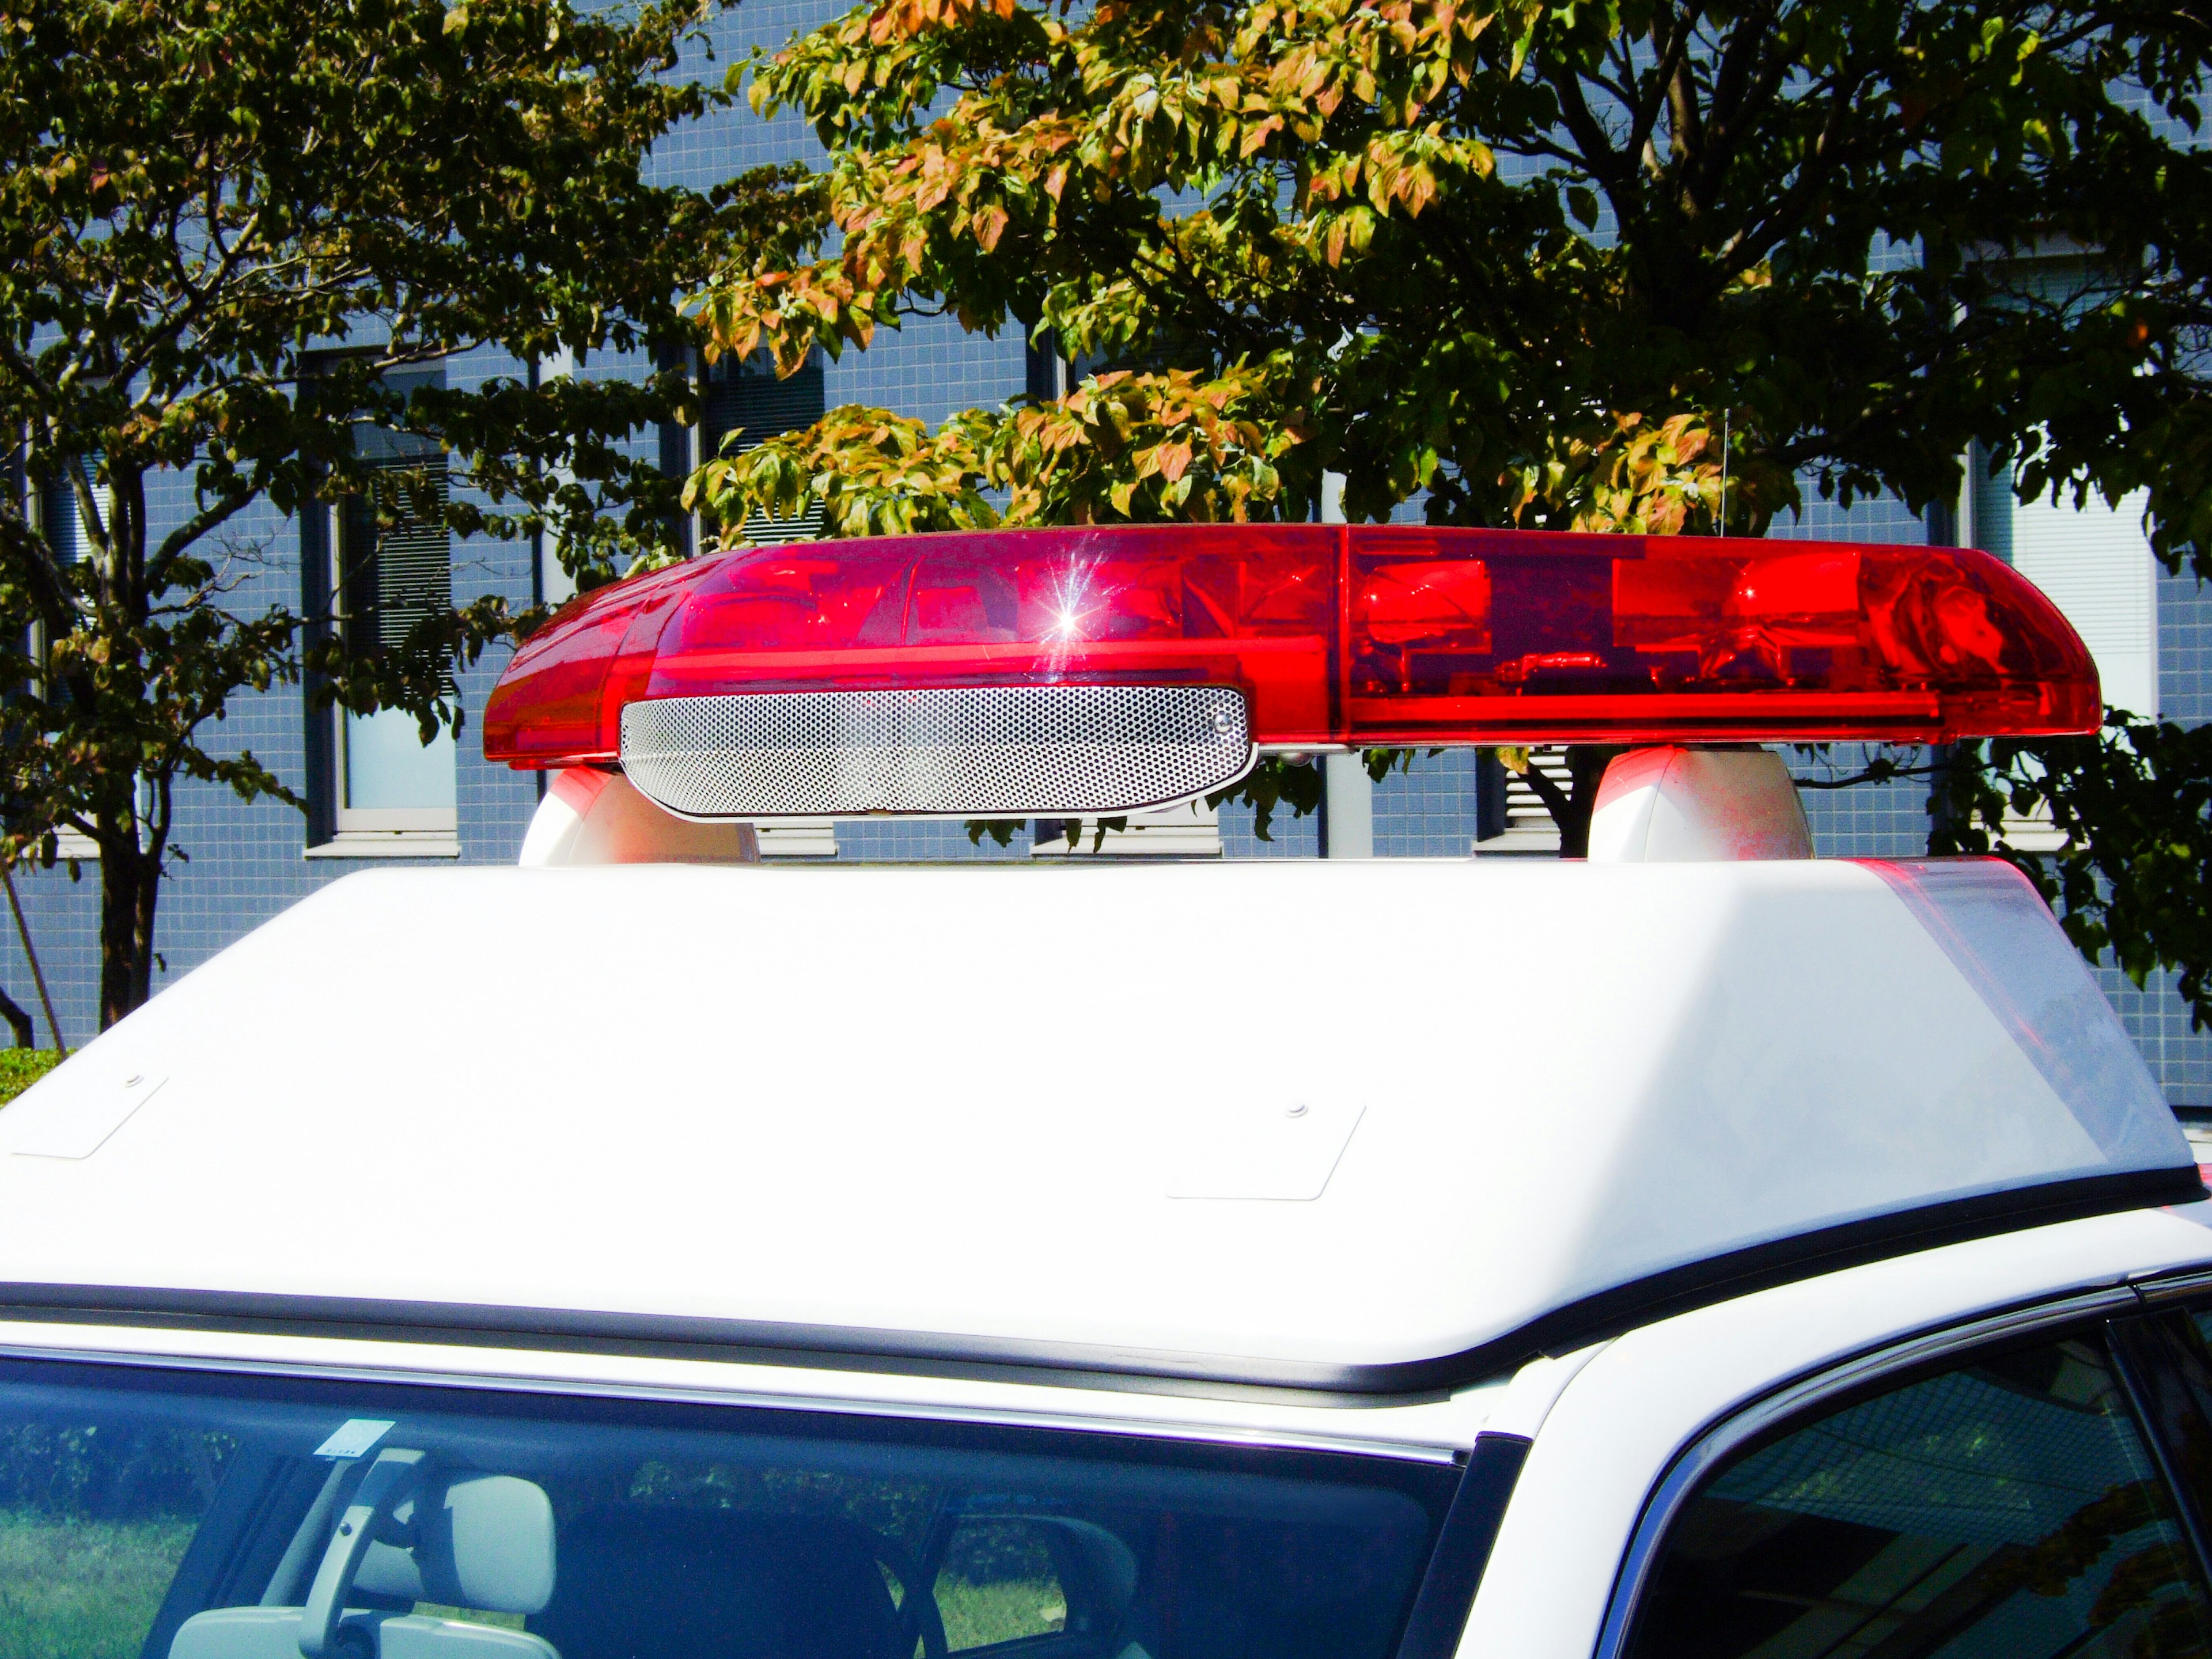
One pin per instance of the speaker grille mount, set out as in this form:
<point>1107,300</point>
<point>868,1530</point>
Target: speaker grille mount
<point>959,751</point>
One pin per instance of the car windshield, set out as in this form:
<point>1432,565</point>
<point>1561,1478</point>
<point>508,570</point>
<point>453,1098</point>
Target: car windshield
<point>150,1513</point>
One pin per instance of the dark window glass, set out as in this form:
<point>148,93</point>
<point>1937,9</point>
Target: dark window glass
<point>2202,1318</point>
<point>2172,1375</point>
<point>61,515</point>
<point>2006,1509</point>
<point>1044,370</point>
<point>395,573</point>
<point>745,403</point>
<point>181,1516</point>
<point>395,552</point>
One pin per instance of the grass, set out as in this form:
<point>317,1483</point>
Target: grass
<point>983,1615</point>
<point>20,1067</point>
<point>83,1590</point>
<point>468,1615</point>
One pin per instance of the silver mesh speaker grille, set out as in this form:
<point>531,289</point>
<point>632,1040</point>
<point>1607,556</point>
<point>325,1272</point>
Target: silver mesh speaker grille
<point>1001,752</point>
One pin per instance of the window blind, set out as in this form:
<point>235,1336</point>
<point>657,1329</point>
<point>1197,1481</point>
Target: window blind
<point>2095,564</point>
<point>60,521</point>
<point>391,579</point>
<point>747,399</point>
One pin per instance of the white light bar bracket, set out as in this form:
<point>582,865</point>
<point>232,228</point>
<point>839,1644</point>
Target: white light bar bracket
<point>1671,803</point>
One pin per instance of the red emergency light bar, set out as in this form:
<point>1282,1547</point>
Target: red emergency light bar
<point>1048,648</point>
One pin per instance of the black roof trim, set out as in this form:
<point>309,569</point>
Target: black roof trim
<point>838,1348</point>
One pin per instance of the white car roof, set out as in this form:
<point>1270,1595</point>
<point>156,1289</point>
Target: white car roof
<point>1334,1125</point>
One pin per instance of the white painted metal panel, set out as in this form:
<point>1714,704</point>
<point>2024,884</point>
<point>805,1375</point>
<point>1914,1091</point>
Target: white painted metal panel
<point>957,1100</point>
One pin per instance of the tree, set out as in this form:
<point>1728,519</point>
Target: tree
<point>1528,261</point>
<point>224,224</point>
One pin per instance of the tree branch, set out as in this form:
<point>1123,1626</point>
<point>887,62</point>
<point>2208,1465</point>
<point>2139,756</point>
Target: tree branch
<point>1646,109</point>
<point>1752,243</point>
<point>1615,176</point>
<point>198,526</point>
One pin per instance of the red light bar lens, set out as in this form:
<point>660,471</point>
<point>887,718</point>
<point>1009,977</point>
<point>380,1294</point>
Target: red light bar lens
<point>1683,639</point>
<point>1359,635</point>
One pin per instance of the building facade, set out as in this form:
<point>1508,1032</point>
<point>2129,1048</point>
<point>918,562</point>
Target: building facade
<point>376,794</point>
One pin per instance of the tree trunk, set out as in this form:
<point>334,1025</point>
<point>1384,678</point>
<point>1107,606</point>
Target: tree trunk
<point>130,883</point>
<point>1586,765</point>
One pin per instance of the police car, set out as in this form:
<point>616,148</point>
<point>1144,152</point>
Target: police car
<point>1704,1248</point>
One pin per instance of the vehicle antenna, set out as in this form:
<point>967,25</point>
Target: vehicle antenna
<point>1724,466</point>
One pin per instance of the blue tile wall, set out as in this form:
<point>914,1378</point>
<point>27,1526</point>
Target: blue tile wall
<point>2158,1019</point>
<point>2185,649</point>
<point>889,840</point>
<point>2179,1057</point>
<point>1863,820</point>
<point>1289,837</point>
<point>1427,810</point>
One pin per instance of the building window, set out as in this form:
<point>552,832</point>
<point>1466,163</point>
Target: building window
<point>61,520</point>
<point>2094,561</point>
<point>1047,376</point>
<point>2095,564</point>
<point>743,396</point>
<point>389,793</point>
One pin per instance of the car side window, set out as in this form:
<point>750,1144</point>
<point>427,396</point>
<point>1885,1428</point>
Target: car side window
<point>2007,1506</point>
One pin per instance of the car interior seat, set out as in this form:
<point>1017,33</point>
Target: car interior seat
<point>482,1541</point>
<point>654,1582</point>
